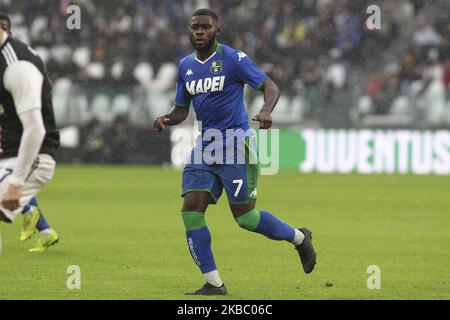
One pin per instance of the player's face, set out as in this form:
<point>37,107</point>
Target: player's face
<point>5,26</point>
<point>203,30</point>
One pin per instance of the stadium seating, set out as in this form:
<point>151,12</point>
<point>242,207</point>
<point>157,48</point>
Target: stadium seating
<point>137,50</point>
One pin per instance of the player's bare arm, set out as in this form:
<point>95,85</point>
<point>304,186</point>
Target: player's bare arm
<point>174,117</point>
<point>271,96</point>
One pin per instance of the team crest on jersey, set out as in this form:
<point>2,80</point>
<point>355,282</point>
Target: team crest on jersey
<point>216,67</point>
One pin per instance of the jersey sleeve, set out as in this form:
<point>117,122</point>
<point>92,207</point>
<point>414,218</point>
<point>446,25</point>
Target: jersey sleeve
<point>247,71</point>
<point>30,144</point>
<point>182,98</point>
<point>24,81</point>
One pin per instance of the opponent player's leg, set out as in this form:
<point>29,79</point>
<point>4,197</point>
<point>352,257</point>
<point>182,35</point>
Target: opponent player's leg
<point>200,188</point>
<point>31,216</point>
<point>38,177</point>
<point>47,236</point>
<point>42,225</point>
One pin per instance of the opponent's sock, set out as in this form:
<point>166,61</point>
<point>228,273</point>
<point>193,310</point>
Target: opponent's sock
<point>42,225</point>
<point>199,244</point>
<point>266,224</point>
<point>34,202</point>
<point>27,209</point>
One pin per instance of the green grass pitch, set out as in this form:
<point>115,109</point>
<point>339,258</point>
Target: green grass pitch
<point>122,227</point>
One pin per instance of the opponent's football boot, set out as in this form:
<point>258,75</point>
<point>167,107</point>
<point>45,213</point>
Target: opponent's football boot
<point>30,221</point>
<point>45,241</point>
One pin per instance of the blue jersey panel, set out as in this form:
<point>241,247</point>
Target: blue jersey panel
<point>216,87</point>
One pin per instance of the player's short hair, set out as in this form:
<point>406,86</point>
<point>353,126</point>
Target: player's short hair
<point>4,17</point>
<point>206,12</point>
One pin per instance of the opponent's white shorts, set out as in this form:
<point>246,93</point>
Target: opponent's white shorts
<point>40,173</point>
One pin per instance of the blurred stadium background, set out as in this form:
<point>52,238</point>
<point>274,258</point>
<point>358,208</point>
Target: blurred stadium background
<point>115,74</point>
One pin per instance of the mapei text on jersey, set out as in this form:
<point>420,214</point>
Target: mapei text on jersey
<point>213,84</point>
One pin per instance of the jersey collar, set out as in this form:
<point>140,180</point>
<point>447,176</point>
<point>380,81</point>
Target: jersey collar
<point>218,50</point>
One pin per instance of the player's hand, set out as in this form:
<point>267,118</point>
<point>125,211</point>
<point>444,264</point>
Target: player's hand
<point>160,123</point>
<point>264,119</point>
<point>11,197</point>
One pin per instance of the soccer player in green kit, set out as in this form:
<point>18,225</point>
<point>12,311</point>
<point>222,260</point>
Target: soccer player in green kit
<point>212,78</point>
